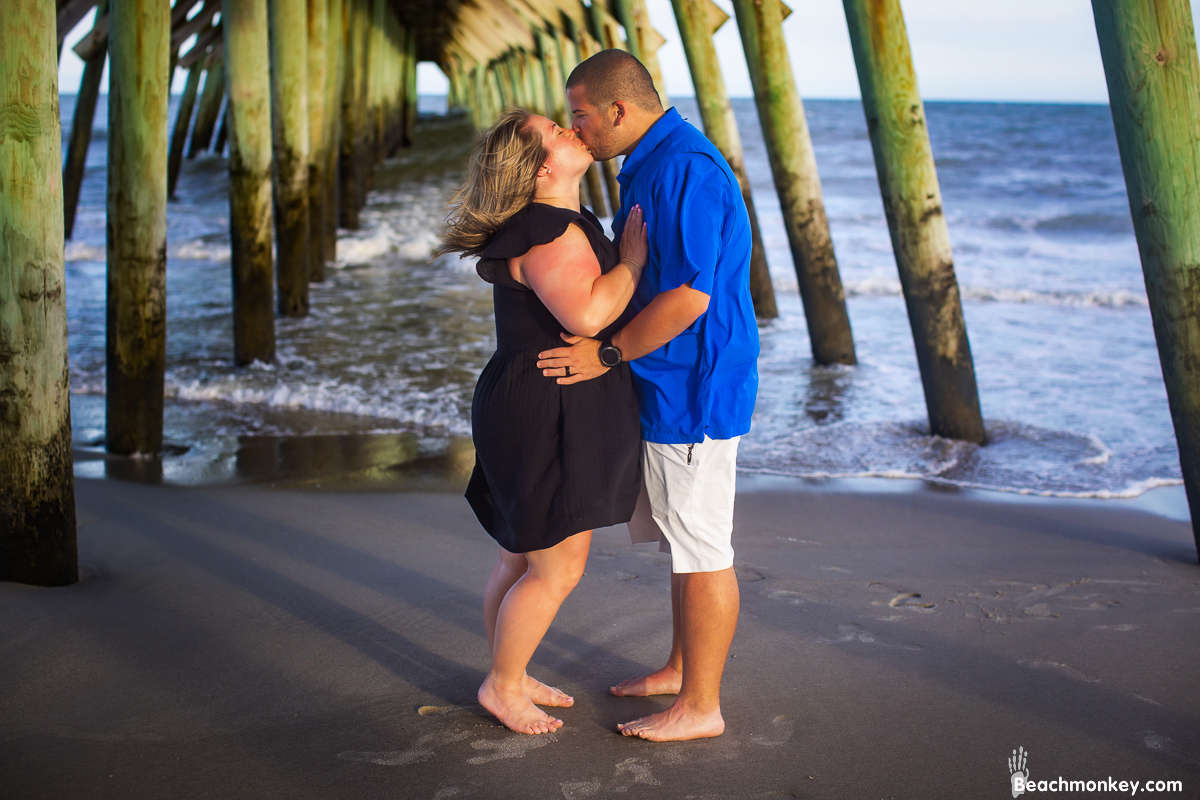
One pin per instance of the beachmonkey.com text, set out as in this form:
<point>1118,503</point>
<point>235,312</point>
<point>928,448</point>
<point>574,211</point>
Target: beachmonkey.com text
<point>1102,785</point>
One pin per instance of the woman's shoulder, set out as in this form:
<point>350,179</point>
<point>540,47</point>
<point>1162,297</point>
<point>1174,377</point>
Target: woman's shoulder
<point>534,225</point>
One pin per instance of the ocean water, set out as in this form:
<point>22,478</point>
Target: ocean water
<point>1045,254</point>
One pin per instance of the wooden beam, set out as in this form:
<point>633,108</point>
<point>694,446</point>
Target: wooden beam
<point>212,38</point>
<point>180,34</point>
<point>70,15</point>
<point>95,42</point>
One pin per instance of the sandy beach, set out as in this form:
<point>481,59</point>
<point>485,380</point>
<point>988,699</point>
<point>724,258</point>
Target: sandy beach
<point>250,642</point>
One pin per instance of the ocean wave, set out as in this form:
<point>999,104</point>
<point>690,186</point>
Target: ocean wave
<point>412,243</point>
<point>193,250</point>
<point>1089,224</point>
<point>1130,491</point>
<point>82,251</point>
<point>1019,459</point>
<point>407,406</point>
<point>890,287</point>
<point>199,250</point>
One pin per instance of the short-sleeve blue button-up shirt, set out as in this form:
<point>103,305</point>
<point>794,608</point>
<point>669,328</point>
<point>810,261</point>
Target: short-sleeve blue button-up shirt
<point>705,380</point>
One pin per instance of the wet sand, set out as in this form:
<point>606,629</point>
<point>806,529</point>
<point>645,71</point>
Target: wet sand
<point>242,641</point>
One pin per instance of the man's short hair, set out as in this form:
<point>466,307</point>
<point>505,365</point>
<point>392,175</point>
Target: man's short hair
<point>612,75</point>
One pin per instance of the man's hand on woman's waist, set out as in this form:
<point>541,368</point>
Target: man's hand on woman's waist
<point>668,315</point>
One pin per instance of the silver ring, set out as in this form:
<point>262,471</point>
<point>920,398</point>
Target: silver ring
<point>568,374</point>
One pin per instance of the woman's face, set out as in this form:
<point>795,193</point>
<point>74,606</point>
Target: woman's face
<point>568,155</point>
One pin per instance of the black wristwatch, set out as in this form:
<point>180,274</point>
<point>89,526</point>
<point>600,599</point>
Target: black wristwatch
<point>610,354</point>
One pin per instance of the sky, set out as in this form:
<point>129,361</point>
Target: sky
<point>1031,50</point>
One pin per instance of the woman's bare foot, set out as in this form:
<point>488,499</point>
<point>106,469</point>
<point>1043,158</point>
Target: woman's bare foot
<point>514,710</point>
<point>665,681</point>
<point>675,725</point>
<point>543,695</point>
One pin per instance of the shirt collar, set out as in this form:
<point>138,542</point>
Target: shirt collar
<point>659,131</point>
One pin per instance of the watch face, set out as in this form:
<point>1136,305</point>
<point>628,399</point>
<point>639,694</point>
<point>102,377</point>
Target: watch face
<point>610,356</point>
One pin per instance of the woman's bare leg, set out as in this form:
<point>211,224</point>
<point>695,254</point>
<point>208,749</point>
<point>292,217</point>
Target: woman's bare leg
<point>508,570</point>
<point>522,619</point>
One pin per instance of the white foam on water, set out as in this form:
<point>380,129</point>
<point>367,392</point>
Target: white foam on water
<point>407,406</point>
<point>199,250</point>
<point>1019,459</point>
<point>382,240</point>
<point>879,286</point>
<point>1129,492</point>
<point>361,248</point>
<point>82,251</point>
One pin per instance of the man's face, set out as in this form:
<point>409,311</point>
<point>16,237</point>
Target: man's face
<point>593,125</point>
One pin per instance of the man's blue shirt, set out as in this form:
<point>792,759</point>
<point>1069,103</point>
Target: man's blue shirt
<point>704,381</point>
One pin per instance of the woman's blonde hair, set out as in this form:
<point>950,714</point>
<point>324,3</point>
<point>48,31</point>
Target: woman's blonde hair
<point>501,180</point>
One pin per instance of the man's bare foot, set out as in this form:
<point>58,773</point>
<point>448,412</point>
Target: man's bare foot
<point>665,681</point>
<point>514,710</point>
<point>675,725</point>
<point>543,695</point>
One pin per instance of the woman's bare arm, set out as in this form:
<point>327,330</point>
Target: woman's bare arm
<point>566,277</point>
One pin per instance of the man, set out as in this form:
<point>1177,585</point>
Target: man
<point>693,348</point>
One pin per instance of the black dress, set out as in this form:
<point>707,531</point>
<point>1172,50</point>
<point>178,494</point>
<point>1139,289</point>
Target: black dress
<point>550,460</point>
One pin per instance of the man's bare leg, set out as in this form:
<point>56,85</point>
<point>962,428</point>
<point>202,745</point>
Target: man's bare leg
<point>709,603</point>
<point>668,679</point>
<point>525,614</point>
<point>508,570</point>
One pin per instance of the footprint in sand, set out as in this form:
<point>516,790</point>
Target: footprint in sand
<point>447,792</point>
<point>908,600</point>
<point>441,711</point>
<point>632,771</point>
<point>748,574</point>
<point>852,632</point>
<point>425,749</point>
<point>1070,672</point>
<point>782,728</point>
<point>1162,744</point>
<point>512,747</point>
<point>626,774</point>
<point>577,790</point>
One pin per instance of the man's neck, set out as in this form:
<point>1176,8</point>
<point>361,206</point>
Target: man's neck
<point>648,120</point>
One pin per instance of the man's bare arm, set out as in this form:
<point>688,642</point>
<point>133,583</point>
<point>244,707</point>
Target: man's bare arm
<point>667,316</point>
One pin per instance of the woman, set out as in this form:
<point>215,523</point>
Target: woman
<point>552,462</point>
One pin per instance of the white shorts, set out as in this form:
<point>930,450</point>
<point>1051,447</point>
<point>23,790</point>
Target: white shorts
<point>686,502</point>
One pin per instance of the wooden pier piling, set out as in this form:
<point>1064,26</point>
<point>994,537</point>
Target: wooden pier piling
<point>82,122</point>
<point>290,125</point>
<point>247,54</point>
<point>555,79</point>
<point>353,115</point>
<point>698,20</point>
<point>912,201</point>
<point>183,118</point>
<point>37,488</point>
<point>1153,75</point>
<point>410,88</point>
<point>642,40</point>
<point>335,82</point>
<point>794,169</point>
<point>318,134</point>
<point>210,105</point>
<point>139,84</point>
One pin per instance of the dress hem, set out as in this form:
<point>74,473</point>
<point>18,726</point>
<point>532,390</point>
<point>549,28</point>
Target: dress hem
<point>601,516</point>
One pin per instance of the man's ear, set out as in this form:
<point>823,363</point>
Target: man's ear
<point>619,112</point>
